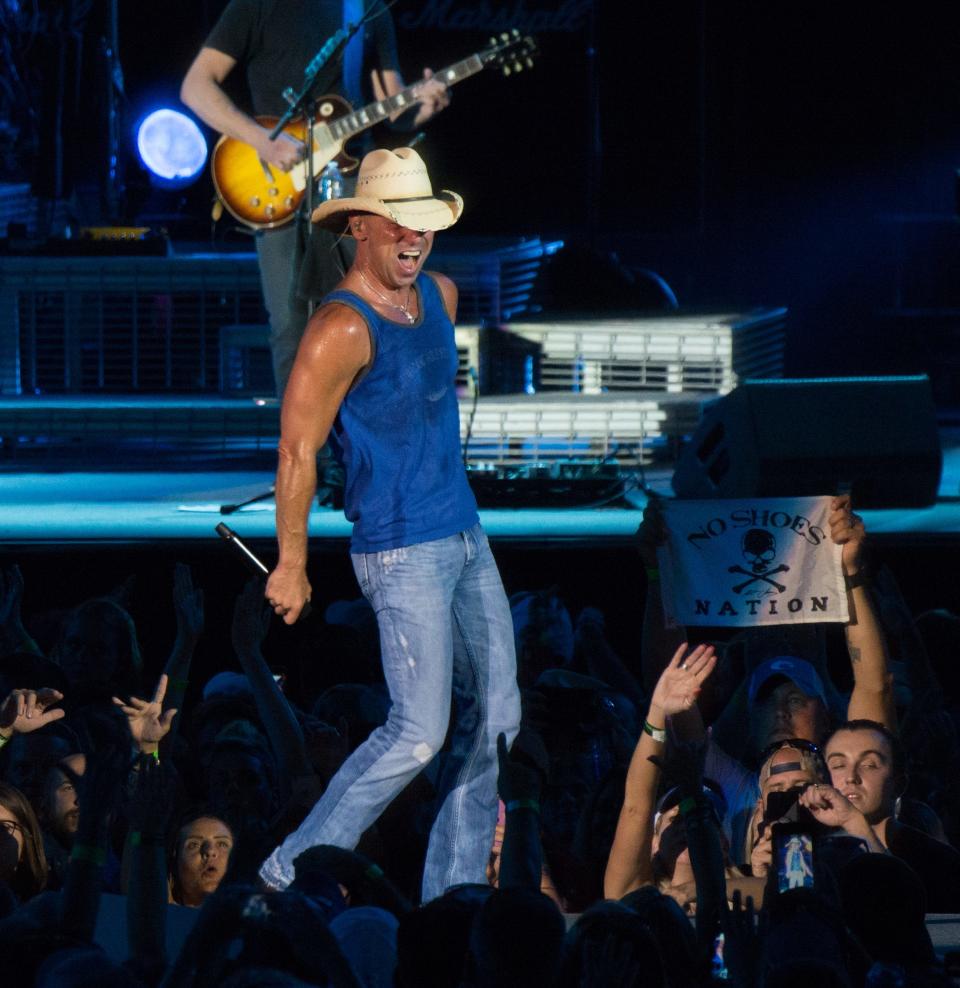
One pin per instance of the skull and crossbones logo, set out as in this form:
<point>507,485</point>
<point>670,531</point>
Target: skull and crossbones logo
<point>759,549</point>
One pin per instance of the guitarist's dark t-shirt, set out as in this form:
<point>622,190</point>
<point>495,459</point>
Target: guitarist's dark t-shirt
<point>275,40</point>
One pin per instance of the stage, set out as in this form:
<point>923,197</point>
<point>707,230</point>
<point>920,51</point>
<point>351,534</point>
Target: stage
<point>60,507</point>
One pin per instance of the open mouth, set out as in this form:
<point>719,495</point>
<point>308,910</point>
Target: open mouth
<point>409,259</point>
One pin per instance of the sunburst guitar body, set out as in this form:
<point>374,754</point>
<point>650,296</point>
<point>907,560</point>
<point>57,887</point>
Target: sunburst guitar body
<point>262,196</point>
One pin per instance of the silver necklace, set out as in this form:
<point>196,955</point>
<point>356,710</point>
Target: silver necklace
<point>383,298</point>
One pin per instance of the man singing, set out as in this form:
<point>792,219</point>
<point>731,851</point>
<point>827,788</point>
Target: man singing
<point>375,371</point>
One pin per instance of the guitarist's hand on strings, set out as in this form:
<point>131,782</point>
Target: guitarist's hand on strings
<point>434,96</point>
<point>284,152</point>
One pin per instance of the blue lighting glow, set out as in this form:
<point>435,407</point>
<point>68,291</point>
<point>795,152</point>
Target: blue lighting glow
<point>171,146</point>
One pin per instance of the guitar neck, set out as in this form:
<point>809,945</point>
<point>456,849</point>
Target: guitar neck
<point>343,128</point>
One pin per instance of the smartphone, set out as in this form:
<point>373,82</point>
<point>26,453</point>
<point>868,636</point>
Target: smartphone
<point>793,858</point>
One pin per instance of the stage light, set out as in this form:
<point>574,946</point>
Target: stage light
<point>172,147</point>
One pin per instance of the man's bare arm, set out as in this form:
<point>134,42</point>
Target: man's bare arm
<point>872,696</point>
<point>202,91</point>
<point>335,347</point>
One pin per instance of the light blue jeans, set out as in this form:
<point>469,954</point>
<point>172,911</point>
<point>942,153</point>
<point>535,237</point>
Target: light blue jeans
<point>445,632</point>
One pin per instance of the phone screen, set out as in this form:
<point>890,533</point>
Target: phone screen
<point>793,852</point>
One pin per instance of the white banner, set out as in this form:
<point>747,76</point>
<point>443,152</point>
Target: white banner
<point>751,562</point>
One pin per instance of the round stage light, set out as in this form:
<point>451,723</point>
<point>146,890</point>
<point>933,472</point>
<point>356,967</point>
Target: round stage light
<point>171,146</point>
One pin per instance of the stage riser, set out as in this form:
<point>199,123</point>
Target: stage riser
<point>129,324</point>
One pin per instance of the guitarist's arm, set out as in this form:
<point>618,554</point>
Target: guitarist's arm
<point>202,91</point>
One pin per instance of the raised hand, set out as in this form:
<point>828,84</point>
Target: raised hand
<point>681,681</point>
<point>251,618</point>
<point>188,605</point>
<point>847,530</point>
<point>523,769</point>
<point>24,711</point>
<point>148,721</point>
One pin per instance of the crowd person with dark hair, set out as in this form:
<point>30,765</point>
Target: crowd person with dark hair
<point>867,767</point>
<point>199,858</point>
<point>23,865</point>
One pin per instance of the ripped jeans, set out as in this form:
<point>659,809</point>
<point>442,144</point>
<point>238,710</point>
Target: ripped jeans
<point>445,632</point>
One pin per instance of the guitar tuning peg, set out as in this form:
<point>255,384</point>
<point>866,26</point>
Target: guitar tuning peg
<point>504,36</point>
<point>529,62</point>
<point>493,41</point>
<point>507,70</point>
<point>517,66</point>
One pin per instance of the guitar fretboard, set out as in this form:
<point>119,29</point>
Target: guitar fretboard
<point>345,127</point>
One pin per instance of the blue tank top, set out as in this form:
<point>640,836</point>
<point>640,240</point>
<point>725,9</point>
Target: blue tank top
<point>397,432</point>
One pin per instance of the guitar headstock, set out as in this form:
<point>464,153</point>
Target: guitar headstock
<point>512,51</point>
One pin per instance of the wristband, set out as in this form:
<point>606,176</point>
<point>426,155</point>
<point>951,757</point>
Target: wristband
<point>84,852</point>
<point>859,579</point>
<point>658,734</point>
<point>179,683</point>
<point>653,574</point>
<point>522,804</point>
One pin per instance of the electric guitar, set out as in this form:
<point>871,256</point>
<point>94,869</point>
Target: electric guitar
<point>262,196</point>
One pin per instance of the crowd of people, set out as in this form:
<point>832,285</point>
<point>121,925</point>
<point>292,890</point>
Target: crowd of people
<point>702,812</point>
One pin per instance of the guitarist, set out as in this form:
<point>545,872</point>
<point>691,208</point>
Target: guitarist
<point>274,41</point>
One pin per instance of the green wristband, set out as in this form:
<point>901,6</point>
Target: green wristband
<point>653,574</point>
<point>658,734</point>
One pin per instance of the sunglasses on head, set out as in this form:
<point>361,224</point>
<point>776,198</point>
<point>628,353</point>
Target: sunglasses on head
<point>799,744</point>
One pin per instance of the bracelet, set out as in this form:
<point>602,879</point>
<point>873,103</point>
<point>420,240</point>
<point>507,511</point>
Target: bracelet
<point>522,804</point>
<point>659,734</point>
<point>84,852</point>
<point>179,683</point>
<point>653,574</point>
<point>140,839</point>
<point>859,579</point>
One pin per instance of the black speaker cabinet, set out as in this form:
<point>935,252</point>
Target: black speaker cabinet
<point>785,438</point>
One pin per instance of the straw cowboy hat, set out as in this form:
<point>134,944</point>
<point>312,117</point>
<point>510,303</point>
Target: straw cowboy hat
<point>394,184</point>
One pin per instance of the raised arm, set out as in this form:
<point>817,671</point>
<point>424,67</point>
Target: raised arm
<point>629,865</point>
<point>188,607</point>
<point>202,91</point>
<point>250,623</point>
<point>872,696</point>
<point>334,349</point>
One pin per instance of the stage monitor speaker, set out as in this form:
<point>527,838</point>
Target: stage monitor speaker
<point>786,438</point>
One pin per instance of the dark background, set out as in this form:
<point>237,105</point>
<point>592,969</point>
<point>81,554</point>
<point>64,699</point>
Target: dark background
<point>797,154</point>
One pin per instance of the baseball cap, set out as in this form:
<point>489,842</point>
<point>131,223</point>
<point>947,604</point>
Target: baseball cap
<point>790,667</point>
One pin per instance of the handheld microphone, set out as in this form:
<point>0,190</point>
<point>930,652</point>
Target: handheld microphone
<point>252,560</point>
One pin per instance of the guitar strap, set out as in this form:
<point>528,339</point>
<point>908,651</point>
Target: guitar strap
<point>353,12</point>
